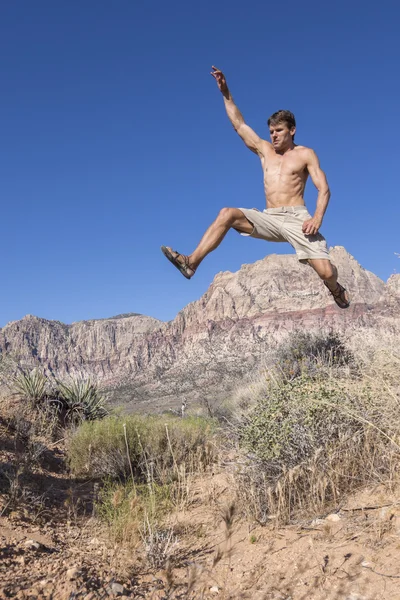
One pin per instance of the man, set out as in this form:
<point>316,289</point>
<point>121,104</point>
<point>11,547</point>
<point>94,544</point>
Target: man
<point>286,168</point>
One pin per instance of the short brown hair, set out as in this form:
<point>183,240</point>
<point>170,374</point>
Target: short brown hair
<point>282,116</point>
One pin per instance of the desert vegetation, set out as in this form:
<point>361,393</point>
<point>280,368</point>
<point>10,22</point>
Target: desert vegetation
<point>319,424</point>
<point>323,425</point>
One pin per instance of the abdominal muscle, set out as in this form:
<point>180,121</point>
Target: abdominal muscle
<point>288,191</point>
<point>284,182</point>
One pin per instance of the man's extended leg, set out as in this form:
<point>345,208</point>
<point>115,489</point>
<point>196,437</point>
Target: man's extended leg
<point>228,218</point>
<point>329,275</point>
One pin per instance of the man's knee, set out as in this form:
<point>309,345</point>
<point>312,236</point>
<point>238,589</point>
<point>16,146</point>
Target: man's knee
<point>326,274</point>
<point>226,216</point>
<point>325,269</point>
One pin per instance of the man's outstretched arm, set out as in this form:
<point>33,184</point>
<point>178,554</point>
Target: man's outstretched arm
<point>250,138</point>
<point>318,178</point>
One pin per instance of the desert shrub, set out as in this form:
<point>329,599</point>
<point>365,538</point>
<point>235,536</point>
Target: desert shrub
<point>74,401</point>
<point>319,483</point>
<point>300,354</point>
<point>157,445</point>
<point>80,401</point>
<point>312,439</point>
<point>306,353</point>
<point>294,418</point>
<point>32,386</point>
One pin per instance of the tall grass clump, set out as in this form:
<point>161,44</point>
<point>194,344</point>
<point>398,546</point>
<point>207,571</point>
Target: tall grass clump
<point>322,428</point>
<point>116,447</point>
<point>146,464</point>
<point>134,511</point>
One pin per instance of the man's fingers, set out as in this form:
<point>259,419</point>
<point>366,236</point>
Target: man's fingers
<point>309,228</point>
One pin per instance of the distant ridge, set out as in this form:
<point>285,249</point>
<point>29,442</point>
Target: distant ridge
<point>214,343</point>
<point>121,316</point>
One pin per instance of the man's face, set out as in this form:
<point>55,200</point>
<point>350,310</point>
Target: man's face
<point>281,136</point>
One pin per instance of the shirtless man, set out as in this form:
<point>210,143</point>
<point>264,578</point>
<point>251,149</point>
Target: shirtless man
<point>286,168</point>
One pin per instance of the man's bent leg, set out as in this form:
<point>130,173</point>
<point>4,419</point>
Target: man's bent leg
<point>328,273</point>
<point>228,218</point>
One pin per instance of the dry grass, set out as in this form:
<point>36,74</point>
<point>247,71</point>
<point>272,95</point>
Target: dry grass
<point>149,463</point>
<point>303,448</point>
<point>141,446</point>
<point>32,434</point>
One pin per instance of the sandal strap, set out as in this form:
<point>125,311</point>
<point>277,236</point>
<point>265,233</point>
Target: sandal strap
<point>185,260</point>
<point>339,290</point>
<point>339,295</point>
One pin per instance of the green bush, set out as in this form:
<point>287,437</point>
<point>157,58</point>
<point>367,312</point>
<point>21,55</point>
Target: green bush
<point>157,446</point>
<point>294,419</point>
<point>310,440</point>
<point>319,425</point>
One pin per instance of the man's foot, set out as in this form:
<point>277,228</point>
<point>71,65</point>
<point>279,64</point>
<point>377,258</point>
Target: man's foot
<point>340,296</point>
<point>180,261</point>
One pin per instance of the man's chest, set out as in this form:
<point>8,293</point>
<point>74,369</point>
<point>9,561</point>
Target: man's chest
<point>278,167</point>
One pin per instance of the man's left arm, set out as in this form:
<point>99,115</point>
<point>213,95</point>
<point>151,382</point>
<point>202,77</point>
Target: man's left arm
<point>318,177</point>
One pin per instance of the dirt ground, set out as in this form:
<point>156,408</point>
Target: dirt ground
<point>52,546</point>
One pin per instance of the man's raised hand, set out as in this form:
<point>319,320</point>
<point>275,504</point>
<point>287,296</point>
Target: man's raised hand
<point>220,79</point>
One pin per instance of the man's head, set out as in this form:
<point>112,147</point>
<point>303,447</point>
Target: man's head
<point>282,127</point>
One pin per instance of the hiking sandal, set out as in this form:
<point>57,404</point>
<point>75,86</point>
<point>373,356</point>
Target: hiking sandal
<point>180,261</point>
<point>340,296</point>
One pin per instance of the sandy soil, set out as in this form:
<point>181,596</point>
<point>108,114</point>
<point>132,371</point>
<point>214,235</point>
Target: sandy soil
<point>52,546</point>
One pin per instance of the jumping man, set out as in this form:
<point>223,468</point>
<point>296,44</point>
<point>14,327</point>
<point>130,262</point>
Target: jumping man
<point>286,168</point>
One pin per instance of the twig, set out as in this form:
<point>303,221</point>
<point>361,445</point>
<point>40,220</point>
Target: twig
<point>172,453</point>
<point>382,574</point>
<point>127,453</point>
<point>370,507</point>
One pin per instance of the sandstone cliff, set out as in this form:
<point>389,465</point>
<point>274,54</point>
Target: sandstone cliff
<point>213,342</point>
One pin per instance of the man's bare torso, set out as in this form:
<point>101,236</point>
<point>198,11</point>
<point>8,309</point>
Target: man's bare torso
<point>285,175</point>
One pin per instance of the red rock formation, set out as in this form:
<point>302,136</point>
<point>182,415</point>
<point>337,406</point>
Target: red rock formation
<point>213,342</point>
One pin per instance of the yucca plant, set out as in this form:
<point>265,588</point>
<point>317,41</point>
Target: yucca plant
<point>81,401</point>
<point>32,386</point>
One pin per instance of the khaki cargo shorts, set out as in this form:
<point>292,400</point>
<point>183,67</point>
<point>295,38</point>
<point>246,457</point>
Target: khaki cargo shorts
<point>284,224</point>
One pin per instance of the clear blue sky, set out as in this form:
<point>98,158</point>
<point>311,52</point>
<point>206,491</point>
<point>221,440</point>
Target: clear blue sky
<point>114,140</point>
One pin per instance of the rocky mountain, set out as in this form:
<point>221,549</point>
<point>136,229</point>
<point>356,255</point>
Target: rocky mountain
<point>214,342</point>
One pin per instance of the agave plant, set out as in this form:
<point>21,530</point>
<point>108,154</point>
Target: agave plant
<point>81,400</point>
<point>31,386</point>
